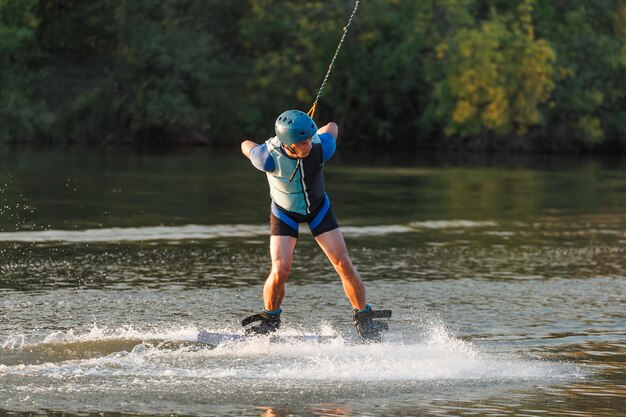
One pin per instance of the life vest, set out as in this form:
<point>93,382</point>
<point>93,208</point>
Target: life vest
<point>305,192</point>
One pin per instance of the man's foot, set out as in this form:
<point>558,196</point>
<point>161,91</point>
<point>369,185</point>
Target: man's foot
<point>270,322</point>
<point>368,328</point>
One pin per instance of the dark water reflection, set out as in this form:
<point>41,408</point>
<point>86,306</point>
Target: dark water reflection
<point>506,277</point>
<point>117,188</point>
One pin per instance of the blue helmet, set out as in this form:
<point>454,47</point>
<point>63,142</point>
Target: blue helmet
<point>294,126</point>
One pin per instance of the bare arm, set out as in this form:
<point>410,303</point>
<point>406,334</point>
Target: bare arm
<point>246,146</point>
<point>331,128</point>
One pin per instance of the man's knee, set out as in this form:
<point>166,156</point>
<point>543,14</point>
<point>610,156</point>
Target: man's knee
<point>341,262</point>
<point>280,271</point>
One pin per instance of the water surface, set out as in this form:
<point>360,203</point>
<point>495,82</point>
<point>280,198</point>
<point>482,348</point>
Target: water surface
<point>505,275</point>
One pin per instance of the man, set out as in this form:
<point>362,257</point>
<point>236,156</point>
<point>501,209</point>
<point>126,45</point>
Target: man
<point>293,161</point>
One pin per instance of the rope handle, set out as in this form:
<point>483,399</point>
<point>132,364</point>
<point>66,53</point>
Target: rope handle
<point>311,111</point>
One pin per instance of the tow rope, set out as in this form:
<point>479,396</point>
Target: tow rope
<point>311,112</point>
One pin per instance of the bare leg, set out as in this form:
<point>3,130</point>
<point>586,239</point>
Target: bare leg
<point>281,250</point>
<point>334,247</point>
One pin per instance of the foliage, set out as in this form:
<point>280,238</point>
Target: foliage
<point>21,116</point>
<point>410,72</point>
<point>590,41</point>
<point>493,77</point>
<point>153,71</point>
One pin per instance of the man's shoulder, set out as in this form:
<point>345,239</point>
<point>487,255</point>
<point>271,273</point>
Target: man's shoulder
<point>328,145</point>
<point>261,157</point>
<point>326,136</point>
<point>273,143</point>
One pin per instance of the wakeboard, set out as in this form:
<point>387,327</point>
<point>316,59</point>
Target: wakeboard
<point>216,338</point>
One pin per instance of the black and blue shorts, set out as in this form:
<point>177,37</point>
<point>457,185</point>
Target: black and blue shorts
<point>285,223</point>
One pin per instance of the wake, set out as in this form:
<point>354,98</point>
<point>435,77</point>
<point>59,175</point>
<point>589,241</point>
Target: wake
<point>432,354</point>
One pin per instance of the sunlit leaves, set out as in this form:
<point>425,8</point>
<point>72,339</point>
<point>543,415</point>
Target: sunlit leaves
<point>494,77</point>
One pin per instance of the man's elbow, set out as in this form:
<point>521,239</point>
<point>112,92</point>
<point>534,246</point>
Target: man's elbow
<point>331,128</point>
<point>246,146</point>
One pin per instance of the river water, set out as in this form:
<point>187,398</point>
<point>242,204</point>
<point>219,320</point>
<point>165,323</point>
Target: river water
<point>506,277</point>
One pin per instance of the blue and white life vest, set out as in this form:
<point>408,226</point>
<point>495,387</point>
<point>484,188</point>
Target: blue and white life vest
<point>305,191</point>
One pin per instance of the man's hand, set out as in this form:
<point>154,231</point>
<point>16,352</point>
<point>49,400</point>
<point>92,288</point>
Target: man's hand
<point>246,146</point>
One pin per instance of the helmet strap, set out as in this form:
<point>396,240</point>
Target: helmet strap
<point>288,148</point>
<point>293,174</point>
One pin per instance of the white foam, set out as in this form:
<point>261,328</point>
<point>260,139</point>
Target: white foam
<point>451,224</point>
<point>136,234</point>
<point>97,333</point>
<point>14,342</point>
<point>438,356</point>
<point>207,232</point>
<point>435,355</point>
<point>375,230</point>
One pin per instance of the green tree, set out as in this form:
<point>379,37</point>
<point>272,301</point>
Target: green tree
<point>590,41</point>
<point>21,115</point>
<point>381,85</point>
<point>492,78</point>
<point>377,90</point>
<point>289,45</point>
<point>141,70</point>
<point>409,71</point>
